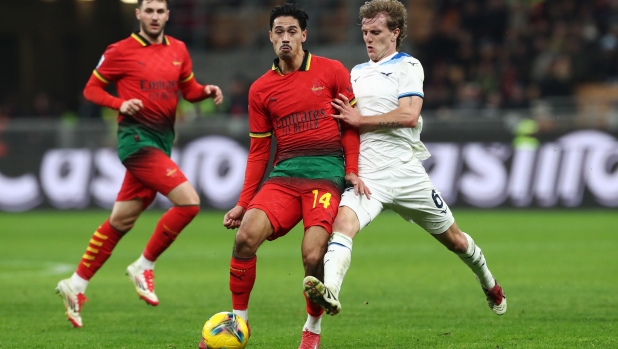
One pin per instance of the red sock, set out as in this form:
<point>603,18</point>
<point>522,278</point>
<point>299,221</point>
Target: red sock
<point>168,228</point>
<point>313,309</point>
<point>99,249</point>
<point>242,278</point>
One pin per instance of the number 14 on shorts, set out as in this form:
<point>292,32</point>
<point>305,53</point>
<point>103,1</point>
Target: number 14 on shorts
<point>324,199</point>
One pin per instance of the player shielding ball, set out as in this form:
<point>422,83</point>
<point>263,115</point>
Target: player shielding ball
<point>148,69</point>
<point>389,91</point>
<point>315,156</point>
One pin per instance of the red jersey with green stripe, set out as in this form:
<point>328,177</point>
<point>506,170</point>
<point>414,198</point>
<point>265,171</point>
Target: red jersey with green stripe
<point>296,108</point>
<point>151,73</point>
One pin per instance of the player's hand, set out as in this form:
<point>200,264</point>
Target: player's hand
<point>347,113</point>
<point>359,185</point>
<point>233,217</point>
<point>215,93</point>
<point>131,106</point>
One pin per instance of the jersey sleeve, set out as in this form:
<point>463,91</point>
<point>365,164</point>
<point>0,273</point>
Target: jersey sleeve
<point>186,70</point>
<point>190,89</point>
<point>260,131</point>
<point>109,68</point>
<point>260,125</point>
<point>343,83</point>
<point>411,76</point>
<point>257,162</point>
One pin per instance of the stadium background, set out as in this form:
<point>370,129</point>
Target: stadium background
<point>521,116</point>
<point>520,107</point>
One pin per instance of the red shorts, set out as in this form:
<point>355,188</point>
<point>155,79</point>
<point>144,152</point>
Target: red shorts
<point>288,200</point>
<point>149,171</point>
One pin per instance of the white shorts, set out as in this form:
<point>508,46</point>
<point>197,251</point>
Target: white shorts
<point>405,189</point>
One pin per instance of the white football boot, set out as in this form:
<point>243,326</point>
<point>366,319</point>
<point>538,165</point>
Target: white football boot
<point>72,302</point>
<point>318,293</point>
<point>143,280</point>
<point>496,299</point>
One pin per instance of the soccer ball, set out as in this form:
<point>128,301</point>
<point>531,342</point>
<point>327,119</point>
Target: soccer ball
<point>225,330</point>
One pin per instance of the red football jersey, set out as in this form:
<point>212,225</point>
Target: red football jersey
<point>296,107</point>
<point>149,72</point>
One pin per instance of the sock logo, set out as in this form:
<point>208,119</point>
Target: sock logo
<point>239,277</point>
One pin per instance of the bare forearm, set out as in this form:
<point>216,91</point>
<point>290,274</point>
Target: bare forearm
<point>405,115</point>
<point>397,118</point>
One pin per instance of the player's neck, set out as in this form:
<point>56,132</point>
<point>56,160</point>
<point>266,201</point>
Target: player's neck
<point>152,39</point>
<point>292,65</point>
<point>386,53</point>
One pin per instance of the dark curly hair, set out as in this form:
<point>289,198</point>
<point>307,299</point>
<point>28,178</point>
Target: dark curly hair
<point>291,10</point>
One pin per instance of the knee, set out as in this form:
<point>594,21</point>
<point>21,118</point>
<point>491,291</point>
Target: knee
<point>312,259</point>
<point>184,195</point>
<point>190,198</point>
<point>122,223</point>
<point>194,199</point>
<point>340,226</point>
<point>190,211</point>
<point>246,243</point>
<point>346,222</point>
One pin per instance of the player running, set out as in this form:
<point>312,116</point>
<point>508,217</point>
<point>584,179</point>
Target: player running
<point>390,95</point>
<point>148,68</point>
<point>292,102</point>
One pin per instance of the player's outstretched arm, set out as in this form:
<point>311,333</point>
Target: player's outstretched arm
<point>233,217</point>
<point>347,113</point>
<point>405,115</point>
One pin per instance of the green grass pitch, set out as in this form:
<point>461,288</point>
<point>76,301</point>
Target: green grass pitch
<point>559,270</point>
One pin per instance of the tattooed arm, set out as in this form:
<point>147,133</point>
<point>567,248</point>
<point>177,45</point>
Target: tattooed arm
<point>405,115</point>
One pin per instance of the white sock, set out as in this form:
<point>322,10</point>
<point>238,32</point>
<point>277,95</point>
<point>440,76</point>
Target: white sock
<point>313,324</point>
<point>78,284</point>
<point>145,264</point>
<point>337,261</point>
<point>473,257</point>
<point>244,314</point>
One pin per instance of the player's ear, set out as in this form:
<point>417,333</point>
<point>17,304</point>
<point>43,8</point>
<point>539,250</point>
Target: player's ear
<point>137,13</point>
<point>270,36</point>
<point>304,36</point>
<point>396,33</point>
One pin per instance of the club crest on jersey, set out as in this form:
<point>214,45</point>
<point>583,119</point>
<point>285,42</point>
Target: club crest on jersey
<point>317,88</point>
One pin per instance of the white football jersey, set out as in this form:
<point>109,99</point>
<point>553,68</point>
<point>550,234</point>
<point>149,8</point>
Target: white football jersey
<point>378,86</point>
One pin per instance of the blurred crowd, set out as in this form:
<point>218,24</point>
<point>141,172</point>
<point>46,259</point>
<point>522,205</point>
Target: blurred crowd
<point>506,54</point>
<point>481,56</point>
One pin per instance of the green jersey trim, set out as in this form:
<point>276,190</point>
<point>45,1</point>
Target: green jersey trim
<point>134,137</point>
<point>313,167</point>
